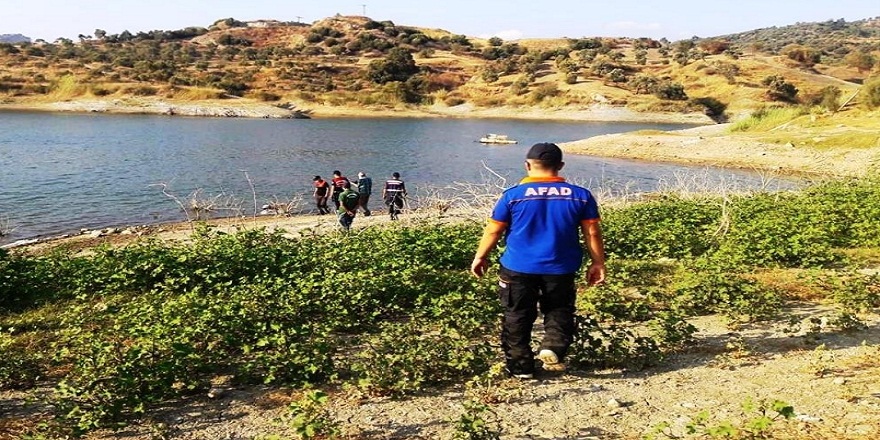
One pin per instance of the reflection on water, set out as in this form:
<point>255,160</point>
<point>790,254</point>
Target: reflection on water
<point>63,172</point>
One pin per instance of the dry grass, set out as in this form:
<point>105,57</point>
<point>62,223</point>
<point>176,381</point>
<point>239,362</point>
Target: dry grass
<point>197,94</point>
<point>851,129</point>
<point>67,87</point>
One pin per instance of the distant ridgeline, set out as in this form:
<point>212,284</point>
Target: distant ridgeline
<point>358,61</point>
<point>14,38</point>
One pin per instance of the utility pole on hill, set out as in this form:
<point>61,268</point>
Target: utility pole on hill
<point>364,7</point>
<point>298,18</point>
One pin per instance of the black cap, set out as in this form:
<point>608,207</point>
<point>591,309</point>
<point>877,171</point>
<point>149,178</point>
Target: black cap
<point>545,152</point>
<point>317,178</point>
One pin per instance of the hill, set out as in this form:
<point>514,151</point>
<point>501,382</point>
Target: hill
<point>14,38</point>
<point>350,64</point>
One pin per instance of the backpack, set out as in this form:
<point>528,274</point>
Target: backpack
<point>349,200</point>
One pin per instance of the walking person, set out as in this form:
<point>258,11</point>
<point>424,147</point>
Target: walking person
<point>321,194</point>
<point>394,193</point>
<point>339,182</point>
<point>364,188</point>
<point>541,217</point>
<point>348,203</point>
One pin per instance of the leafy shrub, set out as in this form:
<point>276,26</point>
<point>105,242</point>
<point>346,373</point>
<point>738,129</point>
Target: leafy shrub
<point>18,368</point>
<point>778,89</point>
<point>232,40</point>
<point>142,90</point>
<point>311,418</point>
<point>670,228</point>
<point>713,285</point>
<point>404,357</point>
<point>806,56</point>
<point>472,423</point>
<point>598,346</point>
<point>776,230</point>
<point>827,98</point>
<point>856,292</point>
<point>871,93</point>
<point>670,90</point>
<point>398,66</point>
<point>712,107</point>
<point>544,90</point>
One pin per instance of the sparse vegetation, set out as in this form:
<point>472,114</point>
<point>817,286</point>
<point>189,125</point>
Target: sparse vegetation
<point>343,57</point>
<point>138,325</point>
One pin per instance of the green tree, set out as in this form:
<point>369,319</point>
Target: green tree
<point>672,91</point>
<point>871,91</point>
<point>805,56</point>
<point>495,42</point>
<point>641,57</point>
<point>778,89</point>
<point>863,61</point>
<point>490,74</point>
<point>642,84</point>
<point>399,65</point>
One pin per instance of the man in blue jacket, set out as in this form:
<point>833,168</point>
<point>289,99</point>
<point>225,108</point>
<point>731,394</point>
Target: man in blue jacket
<point>541,217</point>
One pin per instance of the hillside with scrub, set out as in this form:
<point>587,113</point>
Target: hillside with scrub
<point>356,65</point>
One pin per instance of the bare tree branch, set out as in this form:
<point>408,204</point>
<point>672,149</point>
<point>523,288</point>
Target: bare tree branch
<point>5,228</point>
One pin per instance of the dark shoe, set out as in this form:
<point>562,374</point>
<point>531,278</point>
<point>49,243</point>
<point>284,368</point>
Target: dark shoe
<point>524,369</point>
<point>550,360</point>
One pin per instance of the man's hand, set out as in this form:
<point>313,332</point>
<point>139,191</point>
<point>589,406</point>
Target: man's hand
<point>479,267</point>
<point>596,274</point>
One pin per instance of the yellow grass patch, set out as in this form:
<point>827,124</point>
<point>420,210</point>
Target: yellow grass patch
<point>67,87</point>
<point>197,94</point>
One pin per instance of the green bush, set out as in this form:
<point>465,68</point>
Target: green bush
<point>19,368</point>
<point>871,91</point>
<point>776,230</point>
<point>395,310</point>
<point>670,227</point>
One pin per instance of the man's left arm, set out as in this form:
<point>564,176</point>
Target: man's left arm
<point>592,233</point>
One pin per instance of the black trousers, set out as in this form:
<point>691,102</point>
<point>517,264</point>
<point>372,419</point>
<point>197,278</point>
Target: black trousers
<point>520,295</point>
<point>395,204</point>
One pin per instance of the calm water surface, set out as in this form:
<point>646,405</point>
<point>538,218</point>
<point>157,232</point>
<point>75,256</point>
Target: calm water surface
<point>63,172</point>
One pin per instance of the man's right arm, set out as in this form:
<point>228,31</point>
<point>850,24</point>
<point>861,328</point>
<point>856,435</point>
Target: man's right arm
<point>491,236</point>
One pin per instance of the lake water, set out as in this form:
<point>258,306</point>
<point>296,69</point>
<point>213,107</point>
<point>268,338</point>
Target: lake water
<point>63,172</point>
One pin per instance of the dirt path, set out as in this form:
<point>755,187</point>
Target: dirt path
<point>831,379</point>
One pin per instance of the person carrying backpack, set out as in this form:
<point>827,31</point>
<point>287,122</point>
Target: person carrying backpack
<point>338,182</point>
<point>349,200</point>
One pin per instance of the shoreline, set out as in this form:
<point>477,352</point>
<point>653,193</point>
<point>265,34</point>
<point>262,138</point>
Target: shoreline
<point>247,108</point>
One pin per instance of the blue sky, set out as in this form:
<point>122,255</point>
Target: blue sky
<point>673,19</point>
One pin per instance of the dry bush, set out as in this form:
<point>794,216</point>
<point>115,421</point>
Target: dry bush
<point>444,81</point>
<point>197,94</point>
<point>202,206</point>
<point>141,90</point>
<point>284,207</point>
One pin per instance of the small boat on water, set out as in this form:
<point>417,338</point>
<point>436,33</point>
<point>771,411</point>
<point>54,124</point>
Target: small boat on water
<point>493,138</point>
